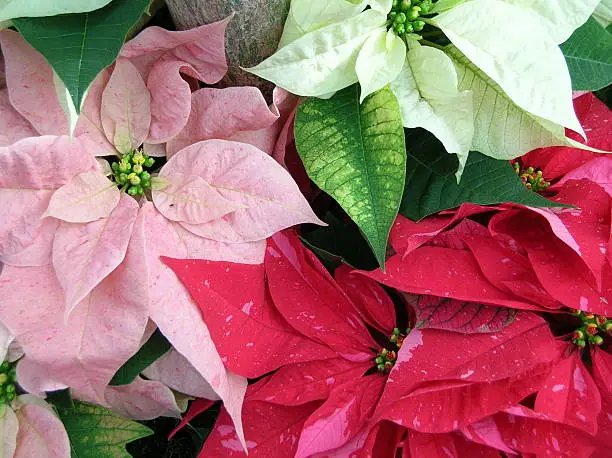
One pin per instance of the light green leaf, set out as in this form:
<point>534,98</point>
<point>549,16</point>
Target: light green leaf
<point>384,6</point>
<point>322,61</point>
<point>10,9</point>
<point>95,432</point>
<point>356,153</point>
<point>514,51</point>
<point>306,16</point>
<point>431,186</point>
<point>502,130</point>
<point>379,62</point>
<point>79,46</point>
<point>151,351</point>
<point>559,18</point>
<point>428,96</point>
<point>603,13</point>
<point>588,53</point>
<point>443,5</point>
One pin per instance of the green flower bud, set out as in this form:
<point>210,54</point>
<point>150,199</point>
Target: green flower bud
<point>401,29</point>
<point>114,166</point>
<point>418,25</point>
<point>394,3</point>
<point>597,340</point>
<point>3,379</point>
<point>122,179</point>
<point>5,366</point>
<point>137,168</point>
<point>134,179</point>
<point>409,28</point>
<point>426,7</point>
<point>400,18</point>
<point>406,4</point>
<point>145,176</point>
<point>10,389</point>
<point>10,397</point>
<point>149,161</point>
<point>3,399</point>
<point>413,13</point>
<point>134,191</point>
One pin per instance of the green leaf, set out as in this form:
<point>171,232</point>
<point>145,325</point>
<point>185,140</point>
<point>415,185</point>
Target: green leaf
<point>588,53</point>
<point>431,185</point>
<point>151,351</point>
<point>79,46</point>
<point>95,432</point>
<point>356,153</point>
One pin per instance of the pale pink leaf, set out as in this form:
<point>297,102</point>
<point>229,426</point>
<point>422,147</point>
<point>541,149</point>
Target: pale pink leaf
<point>202,47</point>
<point>245,176</point>
<point>176,314</point>
<point>85,254</point>
<point>9,427</point>
<point>29,79</point>
<point>89,127</point>
<point>41,434</point>
<point>142,400</point>
<point>84,353</point>
<point>190,199</point>
<point>29,172</point>
<point>175,371</point>
<point>162,55</point>
<point>13,126</point>
<point>126,107</point>
<point>5,341</point>
<point>88,197</point>
<point>222,114</point>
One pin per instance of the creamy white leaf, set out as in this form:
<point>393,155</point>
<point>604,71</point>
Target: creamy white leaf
<point>379,62</point>
<point>322,61</point>
<point>10,9</point>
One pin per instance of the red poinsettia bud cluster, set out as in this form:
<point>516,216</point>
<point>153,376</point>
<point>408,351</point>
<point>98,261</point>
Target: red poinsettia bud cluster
<point>506,349</point>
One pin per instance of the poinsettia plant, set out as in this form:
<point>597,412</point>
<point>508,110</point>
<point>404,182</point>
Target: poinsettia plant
<point>401,250</point>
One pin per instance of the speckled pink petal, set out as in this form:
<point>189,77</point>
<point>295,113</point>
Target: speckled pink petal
<point>223,114</point>
<point>142,400</point>
<point>246,176</point>
<point>202,47</point>
<point>250,334</point>
<point>341,417</point>
<point>272,431</point>
<point>41,434</point>
<point>190,199</point>
<point>85,352</point>
<point>176,314</point>
<point>29,172</point>
<point>570,395</point>
<point>598,170</point>
<point>13,126</point>
<point>89,128</point>
<point>126,107</point>
<point>176,372</point>
<point>468,358</point>
<point>88,197</point>
<point>29,79</point>
<point>85,254</point>
<point>371,300</point>
<point>9,427</point>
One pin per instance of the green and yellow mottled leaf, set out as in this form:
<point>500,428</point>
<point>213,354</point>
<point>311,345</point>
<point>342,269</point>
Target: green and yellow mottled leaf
<point>95,432</point>
<point>356,153</point>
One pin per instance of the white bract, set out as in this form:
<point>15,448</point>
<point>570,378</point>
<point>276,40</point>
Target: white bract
<point>502,87</point>
<point>10,9</point>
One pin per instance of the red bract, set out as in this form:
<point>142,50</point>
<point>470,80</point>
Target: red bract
<point>341,401</point>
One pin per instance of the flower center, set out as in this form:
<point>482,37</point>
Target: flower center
<point>591,329</point>
<point>531,178</point>
<point>405,15</point>
<point>7,382</point>
<point>129,172</point>
<point>385,359</point>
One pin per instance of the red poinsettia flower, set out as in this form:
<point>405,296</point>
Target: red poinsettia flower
<point>348,374</point>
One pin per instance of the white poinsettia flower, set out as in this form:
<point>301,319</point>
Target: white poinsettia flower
<point>501,88</point>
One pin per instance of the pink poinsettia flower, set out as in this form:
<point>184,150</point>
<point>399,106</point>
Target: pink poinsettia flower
<point>28,425</point>
<point>75,235</point>
<point>338,378</point>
